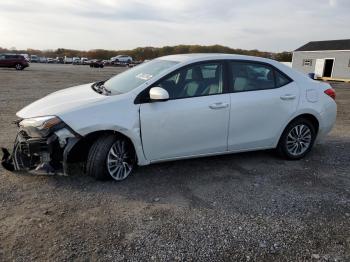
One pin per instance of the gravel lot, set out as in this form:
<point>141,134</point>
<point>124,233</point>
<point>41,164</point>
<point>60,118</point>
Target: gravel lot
<point>251,206</point>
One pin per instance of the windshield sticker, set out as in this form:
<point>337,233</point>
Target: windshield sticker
<point>144,76</point>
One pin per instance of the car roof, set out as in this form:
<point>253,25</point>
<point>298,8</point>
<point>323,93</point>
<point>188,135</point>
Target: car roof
<point>9,54</point>
<point>185,58</point>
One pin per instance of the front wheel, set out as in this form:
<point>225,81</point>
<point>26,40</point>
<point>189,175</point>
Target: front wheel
<point>111,157</point>
<point>19,67</point>
<point>297,139</point>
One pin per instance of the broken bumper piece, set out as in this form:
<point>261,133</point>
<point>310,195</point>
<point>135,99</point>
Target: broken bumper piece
<point>40,156</point>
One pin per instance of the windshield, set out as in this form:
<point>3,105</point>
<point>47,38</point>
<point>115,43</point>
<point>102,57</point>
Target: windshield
<point>136,76</point>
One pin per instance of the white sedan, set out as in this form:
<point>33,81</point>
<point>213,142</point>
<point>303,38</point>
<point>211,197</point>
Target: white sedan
<point>170,108</point>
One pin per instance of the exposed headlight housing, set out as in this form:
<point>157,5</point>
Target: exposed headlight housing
<point>41,126</point>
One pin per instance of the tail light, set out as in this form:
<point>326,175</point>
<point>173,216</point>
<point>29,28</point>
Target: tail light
<point>330,92</point>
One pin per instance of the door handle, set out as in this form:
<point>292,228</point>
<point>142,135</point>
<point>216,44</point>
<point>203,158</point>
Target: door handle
<point>288,97</point>
<point>219,105</point>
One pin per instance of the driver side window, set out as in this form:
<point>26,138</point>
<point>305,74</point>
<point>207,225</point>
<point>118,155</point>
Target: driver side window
<point>197,80</point>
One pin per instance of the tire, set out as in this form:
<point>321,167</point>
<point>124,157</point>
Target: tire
<point>104,158</point>
<point>293,146</point>
<point>19,67</point>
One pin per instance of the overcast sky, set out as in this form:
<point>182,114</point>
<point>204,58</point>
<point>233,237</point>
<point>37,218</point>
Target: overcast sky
<point>271,25</point>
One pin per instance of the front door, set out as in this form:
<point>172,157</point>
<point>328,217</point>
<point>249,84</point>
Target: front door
<point>194,121</point>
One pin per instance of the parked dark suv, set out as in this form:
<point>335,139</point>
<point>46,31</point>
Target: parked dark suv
<point>13,60</point>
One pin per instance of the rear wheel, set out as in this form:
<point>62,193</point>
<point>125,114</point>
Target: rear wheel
<point>19,67</point>
<point>297,139</point>
<point>111,157</point>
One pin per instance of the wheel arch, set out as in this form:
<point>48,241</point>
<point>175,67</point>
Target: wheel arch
<point>306,115</point>
<point>311,117</point>
<point>78,151</point>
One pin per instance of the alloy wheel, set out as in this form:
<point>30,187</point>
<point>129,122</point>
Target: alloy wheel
<point>299,140</point>
<point>119,160</point>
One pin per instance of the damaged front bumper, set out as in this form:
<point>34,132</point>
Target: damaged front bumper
<point>39,155</point>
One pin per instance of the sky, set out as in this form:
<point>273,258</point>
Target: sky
<point>268,25</point>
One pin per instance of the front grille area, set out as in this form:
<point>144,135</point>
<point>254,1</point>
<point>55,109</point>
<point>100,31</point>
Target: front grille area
<point>31,146</point>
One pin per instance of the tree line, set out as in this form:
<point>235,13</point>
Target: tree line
<point>143,53</point>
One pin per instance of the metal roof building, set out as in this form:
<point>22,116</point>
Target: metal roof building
<point>328,59</point>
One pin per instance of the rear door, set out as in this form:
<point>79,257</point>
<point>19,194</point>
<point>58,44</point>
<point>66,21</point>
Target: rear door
<point>194,121</point>
<point>262,101</point>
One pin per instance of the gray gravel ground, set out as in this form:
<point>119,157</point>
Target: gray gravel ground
<point>241,207</point>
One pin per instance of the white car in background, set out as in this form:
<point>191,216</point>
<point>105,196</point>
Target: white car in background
<point>67,60</point>
<point>170,108</point>
<point>121,59</point>
<point>84,60</point>
<point>34,59</point>
<point>76,60</point>
<point>42,59</point>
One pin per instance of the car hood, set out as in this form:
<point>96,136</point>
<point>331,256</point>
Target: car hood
<point>62,101</point>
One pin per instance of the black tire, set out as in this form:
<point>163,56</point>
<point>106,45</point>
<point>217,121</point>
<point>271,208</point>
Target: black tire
<point>19,67</point>
<point>96,165</point>
<point>282,148</point>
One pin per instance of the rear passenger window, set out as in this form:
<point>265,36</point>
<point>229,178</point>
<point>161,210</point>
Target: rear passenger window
<point>250,76</point>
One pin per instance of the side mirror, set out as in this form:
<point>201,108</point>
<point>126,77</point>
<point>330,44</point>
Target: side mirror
<point>158,94</point>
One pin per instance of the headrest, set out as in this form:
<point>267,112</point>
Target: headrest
<point>270,75</point>
<point>240,84</point>
<point>197,73</point>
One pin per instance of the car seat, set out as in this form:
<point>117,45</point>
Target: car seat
<point>191,88</point>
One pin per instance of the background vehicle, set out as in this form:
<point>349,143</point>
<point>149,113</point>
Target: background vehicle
<point>76,60</point>
<point>121,59</point>
<point>13,60</point>
<point>42,59</point>
<point>96,63</point>
<point>59,60</point>
<point>50,60</point>
<point>34,59</point>
<point>83,60</point>
<point>67,60</point>
<point>26,57</point>
<point>171,108</point>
